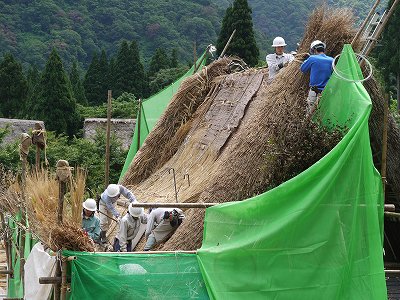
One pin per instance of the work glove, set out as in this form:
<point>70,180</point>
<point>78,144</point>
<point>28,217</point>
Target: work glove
<point>119,219</point>
<point>280,66</point>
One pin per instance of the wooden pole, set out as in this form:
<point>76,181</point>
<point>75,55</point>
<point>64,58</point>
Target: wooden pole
<point>384,142</point>
<point>170,205</point>
<point>107,175</point>
<point>7,246</point>
<point>23,231</point>
<point>37,159</point>
<point>138,123</point>
<point>227,44</point>
<point>64,279</point>
<point>364,24</point>
<point>380,29</point>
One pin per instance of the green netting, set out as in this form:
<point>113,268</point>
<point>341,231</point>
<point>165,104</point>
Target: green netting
<point>316,236</point>
<point>151,110</point>
<point>15,285</point>
<point>135,276</point>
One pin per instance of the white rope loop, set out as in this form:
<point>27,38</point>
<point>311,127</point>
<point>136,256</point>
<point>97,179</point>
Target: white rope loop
<point>352,80</point>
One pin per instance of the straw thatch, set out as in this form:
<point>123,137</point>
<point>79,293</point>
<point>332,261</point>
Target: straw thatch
<point>246,137</point>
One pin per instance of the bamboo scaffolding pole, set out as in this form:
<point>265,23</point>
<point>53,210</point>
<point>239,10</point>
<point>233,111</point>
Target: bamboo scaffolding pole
<point>108,131</point>
<point>169,205</point>
<point>227,44</point>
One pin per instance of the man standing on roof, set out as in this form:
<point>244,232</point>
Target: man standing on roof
<point>161,224</point>
<point>107,206</point>
<point>320,67</point>
<point>91,223</point>
<point>129,228</point>
<point>279,59</point>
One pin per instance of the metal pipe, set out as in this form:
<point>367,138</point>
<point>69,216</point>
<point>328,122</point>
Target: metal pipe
<point>171,205</point>
<point>389,207</point>
<point>63,280</point>
<point>392,214</point>
<point>392,271</point>
<point>384,143</point>
<point>139,116</point>
<point>6,272</point>
<point>152,252</point>
<point>173,174</point>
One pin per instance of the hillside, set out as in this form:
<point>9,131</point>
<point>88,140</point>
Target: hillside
<point>29,29</point>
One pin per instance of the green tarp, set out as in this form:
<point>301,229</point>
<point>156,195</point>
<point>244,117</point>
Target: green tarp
<point>316,236</point>
<point>151,110</point>
<point>135,276</point>
<point>15,285</point>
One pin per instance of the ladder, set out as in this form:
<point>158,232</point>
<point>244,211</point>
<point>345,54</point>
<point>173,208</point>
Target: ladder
<point>372,32</point>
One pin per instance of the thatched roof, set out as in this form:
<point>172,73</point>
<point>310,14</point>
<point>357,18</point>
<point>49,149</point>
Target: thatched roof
<point>241,136</point>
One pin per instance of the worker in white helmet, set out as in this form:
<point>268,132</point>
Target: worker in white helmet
<point>279,59</point>
<point>320,67</point>
<point>129,228</point>
<point>161,224</point>
<point>91,223</point>
<point>107,206</point>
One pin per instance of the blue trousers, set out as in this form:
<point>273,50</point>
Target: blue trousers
<point>117,247</point>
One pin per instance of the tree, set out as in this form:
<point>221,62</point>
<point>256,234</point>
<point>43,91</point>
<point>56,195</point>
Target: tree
<point>129,73</point>
<point>388,55</point>
<point>52,100</point>
<point>77,86</point>
<point>244,43</point>
<point>33,79</point>
<point>174,59</point>
<point>96,80</point>
<point>158,62</point>
<point>13,88</point>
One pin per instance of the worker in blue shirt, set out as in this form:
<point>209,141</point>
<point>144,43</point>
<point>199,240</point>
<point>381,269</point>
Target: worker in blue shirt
<point>320,67</point>
<point>90,223</point>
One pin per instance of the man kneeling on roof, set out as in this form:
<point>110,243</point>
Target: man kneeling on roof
<point>161,224</point>
<point>91,223</point>
<point>128,228</point>
<point>107,206</point>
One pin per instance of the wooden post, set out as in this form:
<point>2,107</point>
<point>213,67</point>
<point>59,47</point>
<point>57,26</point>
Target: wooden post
<point>138,123</point>
<point>384,142</point>
<point>362,27</point>
<point>7,246</point>
<point>227,44</point>
<point>37,159</point>
<point>107,175</point>
<point>64,279</point>
<point>23,232</point>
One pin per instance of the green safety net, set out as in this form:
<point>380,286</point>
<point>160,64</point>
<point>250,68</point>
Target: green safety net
<point>135,276</point>
<point>151,110</point>
<point>316,236</point>
<point>15,285</point>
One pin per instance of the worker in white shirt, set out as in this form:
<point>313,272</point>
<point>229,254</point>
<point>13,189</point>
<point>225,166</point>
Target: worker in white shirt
<point>161,224</point>
<point>129,228</point>
<point>279,59</point>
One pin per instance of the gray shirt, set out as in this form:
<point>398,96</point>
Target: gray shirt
<point>109,202</point>
<point>128,229</point>
<point>273,60</point>
<point>156,216</point>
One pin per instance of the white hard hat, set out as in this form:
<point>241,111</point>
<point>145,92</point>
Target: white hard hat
<point>112,190</point>
<point>135,211</point>
<point>278,42</point>
<point>317,43</point>
<point>89,204</point>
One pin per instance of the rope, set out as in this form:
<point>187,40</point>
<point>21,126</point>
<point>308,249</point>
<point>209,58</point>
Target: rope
<point>353,80</point>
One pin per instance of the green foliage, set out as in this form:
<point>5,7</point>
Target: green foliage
<point>158,62</point>
<point>165,77</point>
<point>125,106</point>
<point>243,44</point>
<point>388,52</point>
<point>77,86</point>
<point>129,73</point>
<point>13,87</point>
<point>52,100</point>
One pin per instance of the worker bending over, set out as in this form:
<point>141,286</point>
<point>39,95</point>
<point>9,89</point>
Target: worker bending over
<point>161,224</point>
<point>91,223</point>
<point>107,206</point>
<point>128,228</point>
<point>279,59</point>
<point>320,67</point>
